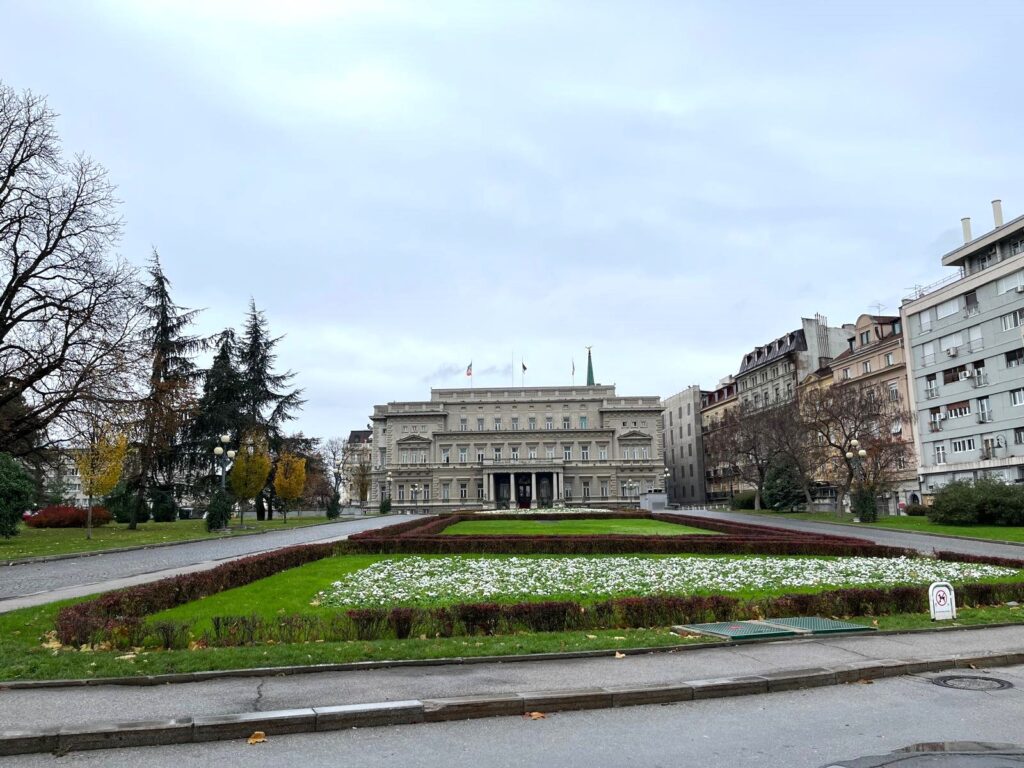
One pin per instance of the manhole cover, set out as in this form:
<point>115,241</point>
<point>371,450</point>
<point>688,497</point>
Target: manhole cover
<point>965,683</point>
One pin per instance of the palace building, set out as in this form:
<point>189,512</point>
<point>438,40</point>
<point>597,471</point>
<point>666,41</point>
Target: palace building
<point>516,447</point>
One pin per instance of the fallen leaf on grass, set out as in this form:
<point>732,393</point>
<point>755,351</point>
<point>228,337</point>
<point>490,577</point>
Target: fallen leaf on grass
<point>619,655</point>
<point>618,637</point>
<point>591,637</point>
<point>126,657</point>
<point>534,716</point>
<point>258,737</point>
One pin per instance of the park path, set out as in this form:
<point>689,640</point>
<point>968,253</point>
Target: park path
<point>29,584</point>
<point>923,542</point>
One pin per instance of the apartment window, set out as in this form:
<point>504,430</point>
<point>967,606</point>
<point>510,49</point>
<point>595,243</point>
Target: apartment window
<point>497,422</point>
<point>958,410</point>
<point>567,452</point>
<point>866,366</point>
<point>928,353</point>
<point>480,489</point>
<point>463,490</point>
<point>446,491</point>
<point>1013,320</point>
<point>583,422</point>
<point>531,453</point>
<point>604,486</point>
<point>602,453</point>
<point>931,386</point>
<point>925,321</point>
<point>689,430</point>
<point>568,489</point>
<point>865,338</point>
<point>531,423</point>
<point>1011,282</point>
<point>548,423</point>
<point>584,453</point>
<point>401,493</point>
<point>948,308</point>
<point>984,410</point>
<point>889,359</point>
<point>953,375</point>
<point>940,454</point>
<point>515,422</point>
<point>479,457</point>
<point>462,424</point>
<point>894,392</point>
<point>446,455</point>
<point>515,453</point>
<point>789,390</point>
<point>1017,396</point>
<point>1015,358</point>
<point>462,455</point>
<point>480,424</point>
<point>971,303</point>
<point>550,452</point>
<point>497,454</point>
<point>586,489</point>
<point>846,374</point>
<point>1018,436</point>
<point>426,492</point>
<point>689,449</point>
<point>964,445</point>
<point>896,427</point>
<point>566,422</point>
<point>777,398</point>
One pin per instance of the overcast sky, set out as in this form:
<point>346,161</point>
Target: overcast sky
<point>405,187</point>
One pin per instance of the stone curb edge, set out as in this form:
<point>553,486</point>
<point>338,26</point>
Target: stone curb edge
<point>112,735</point>
<point>360,666</point>
<point>160,545</point>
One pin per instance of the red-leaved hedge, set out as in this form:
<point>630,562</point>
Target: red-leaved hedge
<point>60,516</point>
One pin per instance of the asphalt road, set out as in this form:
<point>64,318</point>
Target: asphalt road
<point>800,729</point>
<point>922,542</point>
<point>83,572</point>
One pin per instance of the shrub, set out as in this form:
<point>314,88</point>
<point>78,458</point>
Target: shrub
<point>385,505</point>
<point>782,488</point>
<point>61,516</point>
<point>916,510</point>
<point>164,509</point>
<point>333,507</point>
<point>743,500</point>
<point>985,501</point>
<point>218,513</point>
<point>16,492</point>
<point>122,500</point>
<point>171,635</point>
<point>864,505</point>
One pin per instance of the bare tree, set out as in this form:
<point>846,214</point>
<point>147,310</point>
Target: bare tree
<point>797,444</point>
<point>746,443</point>
<point>68,312</point>
<point>356,468</point>
<point>333,453</point>
<point>840,414</point>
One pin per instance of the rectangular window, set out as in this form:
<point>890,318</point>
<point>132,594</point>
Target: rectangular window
<point>566,422</point>
<point>958,410</point>
<point>1017,397</point>
<point>866,366</point>
<point>446,455</point>
<point>403,457</point>
<point>497,454</point>
<point>865,338</point>
<point>928,353</point>
<point>462,455</point>
<point>646,452</point>
<point>426,492</point>
<point>479,457</point>
<point>463,490</point>
<point>1018,436</point>
<point>583,422</point>
<point>515,453</point>
<point>948,308</point>
<point>568,489</point>
<point>531,453</point>
<point>602,453</point>
<point>515,422</point>
<point>401,493</point>
<point>382,456</point>
<point>964,445</point>
<point>984,410</point>
<point>480,424</point>
<point>446,491</point>
<point>931,386</point>
<point>463,426</point>
<point>497,422</point>
<point>1015,358</point>
<point>1013,320</point>
<point>584,453</point>
<point>550,452</point>
<point>604,485</point>
<point>894,392</point>
<point>531,423</point>
<point>846,374</point>
<point>889,359</point>
<point>586,489</point>
<point>549,423</point>
<point>567,452</point>
<point>480,489</point>
<point>940,454</point>
<point>1011,282</point>
<point>925,321</point>
<point>970,303</point>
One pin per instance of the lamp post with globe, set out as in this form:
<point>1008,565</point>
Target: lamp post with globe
<point>224,458</point>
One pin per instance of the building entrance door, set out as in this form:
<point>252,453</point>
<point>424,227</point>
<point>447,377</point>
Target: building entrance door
<point>523,492</point>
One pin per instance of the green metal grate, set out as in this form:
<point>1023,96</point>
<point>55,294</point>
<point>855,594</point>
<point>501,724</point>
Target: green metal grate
<point>818,626</point>
<point>739,630</point>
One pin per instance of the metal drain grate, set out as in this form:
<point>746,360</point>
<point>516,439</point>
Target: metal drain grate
<point>966,683</point>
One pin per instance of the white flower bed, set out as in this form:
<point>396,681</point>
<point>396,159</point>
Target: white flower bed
<point>548,511</point>
<point>418,580</point>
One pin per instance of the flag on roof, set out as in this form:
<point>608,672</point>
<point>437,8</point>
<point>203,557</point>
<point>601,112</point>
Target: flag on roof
<point>524,367</point>
<point>469,369</point>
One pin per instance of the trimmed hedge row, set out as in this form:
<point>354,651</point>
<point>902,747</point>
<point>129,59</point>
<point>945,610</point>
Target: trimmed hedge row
<point>121,611</point>
<point>64,516</point>
<point>559,616</point>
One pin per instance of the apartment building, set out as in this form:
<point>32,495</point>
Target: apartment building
<point>965,360</point>
<point>720,481</point>
<point>683,446</point>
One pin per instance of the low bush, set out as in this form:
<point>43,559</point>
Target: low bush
<point>122,500</point>
<point>916,510</point>
<point>218,512</point>
<point>743,500</point>
<point>61,516</point>
<point>16,493</point>
<point>984,501</point>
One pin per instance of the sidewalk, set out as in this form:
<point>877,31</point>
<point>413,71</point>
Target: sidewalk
<point>414,693</point>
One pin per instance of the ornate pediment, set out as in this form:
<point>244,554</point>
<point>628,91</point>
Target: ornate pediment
<point>413,440</point>
<point>635,435</point>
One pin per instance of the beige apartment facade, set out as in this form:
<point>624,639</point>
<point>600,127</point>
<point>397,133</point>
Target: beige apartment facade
<point>516,447</point>
<point>720,480</point>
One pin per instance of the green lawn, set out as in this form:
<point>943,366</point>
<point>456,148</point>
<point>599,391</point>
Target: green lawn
<point>585,527</point>
<point>912,524</point>
<point>37,542</point>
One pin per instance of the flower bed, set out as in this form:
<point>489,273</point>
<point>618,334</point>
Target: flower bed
<point>424,581</point>
<point>530,512</point>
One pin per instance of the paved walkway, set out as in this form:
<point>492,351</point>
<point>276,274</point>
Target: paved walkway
<point>39,583</point>
<point>923,542</point>
<point>67,706</point>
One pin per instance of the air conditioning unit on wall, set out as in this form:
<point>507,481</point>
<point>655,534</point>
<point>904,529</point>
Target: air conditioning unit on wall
<point>952,351</point>
<point>1020,289</point>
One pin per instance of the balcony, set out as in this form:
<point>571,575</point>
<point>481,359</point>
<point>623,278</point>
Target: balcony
<point>980,379</point>
<point>934,426</point>
<point>971,310</point>
<point>931,393</point>
<point>984,417</point>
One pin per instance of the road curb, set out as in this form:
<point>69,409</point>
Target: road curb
<point>160,545</point>
<point>389,713</point>
<point>362,666</point>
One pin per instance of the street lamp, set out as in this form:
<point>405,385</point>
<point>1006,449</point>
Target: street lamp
<point>855,456</point>
<point>223,458</point>
<point>387,489</point>
<point>415,490</point>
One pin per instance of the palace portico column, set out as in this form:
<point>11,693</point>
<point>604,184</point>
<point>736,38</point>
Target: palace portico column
<point>512,490</point>
<point>490,487</point>
<point>533,489</point>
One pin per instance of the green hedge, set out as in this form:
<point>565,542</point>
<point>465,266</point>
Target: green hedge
<point>983,502</point>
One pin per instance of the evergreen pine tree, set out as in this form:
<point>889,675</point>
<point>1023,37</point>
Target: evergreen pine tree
<point>219,410</point>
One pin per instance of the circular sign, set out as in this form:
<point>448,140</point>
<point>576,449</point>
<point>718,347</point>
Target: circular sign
<point>941,597</point>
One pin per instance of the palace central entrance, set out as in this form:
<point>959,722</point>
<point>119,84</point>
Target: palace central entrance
<point>523,490</point>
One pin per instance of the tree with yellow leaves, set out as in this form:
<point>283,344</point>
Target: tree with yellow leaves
<point>289,480</point>
<point>100,465</point>
<point>250,470</point>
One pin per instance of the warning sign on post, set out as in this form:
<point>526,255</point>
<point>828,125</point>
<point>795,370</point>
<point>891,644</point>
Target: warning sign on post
<point>942,601</point>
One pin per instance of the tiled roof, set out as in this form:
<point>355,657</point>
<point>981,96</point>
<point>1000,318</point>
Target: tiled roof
<point>791,342</point>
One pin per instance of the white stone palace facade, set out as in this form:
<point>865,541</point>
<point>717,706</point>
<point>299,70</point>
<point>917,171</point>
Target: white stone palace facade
<point>518,447</point>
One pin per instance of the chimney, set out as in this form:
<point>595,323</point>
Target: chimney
<point>997,212</point>
<point>965,222</point>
